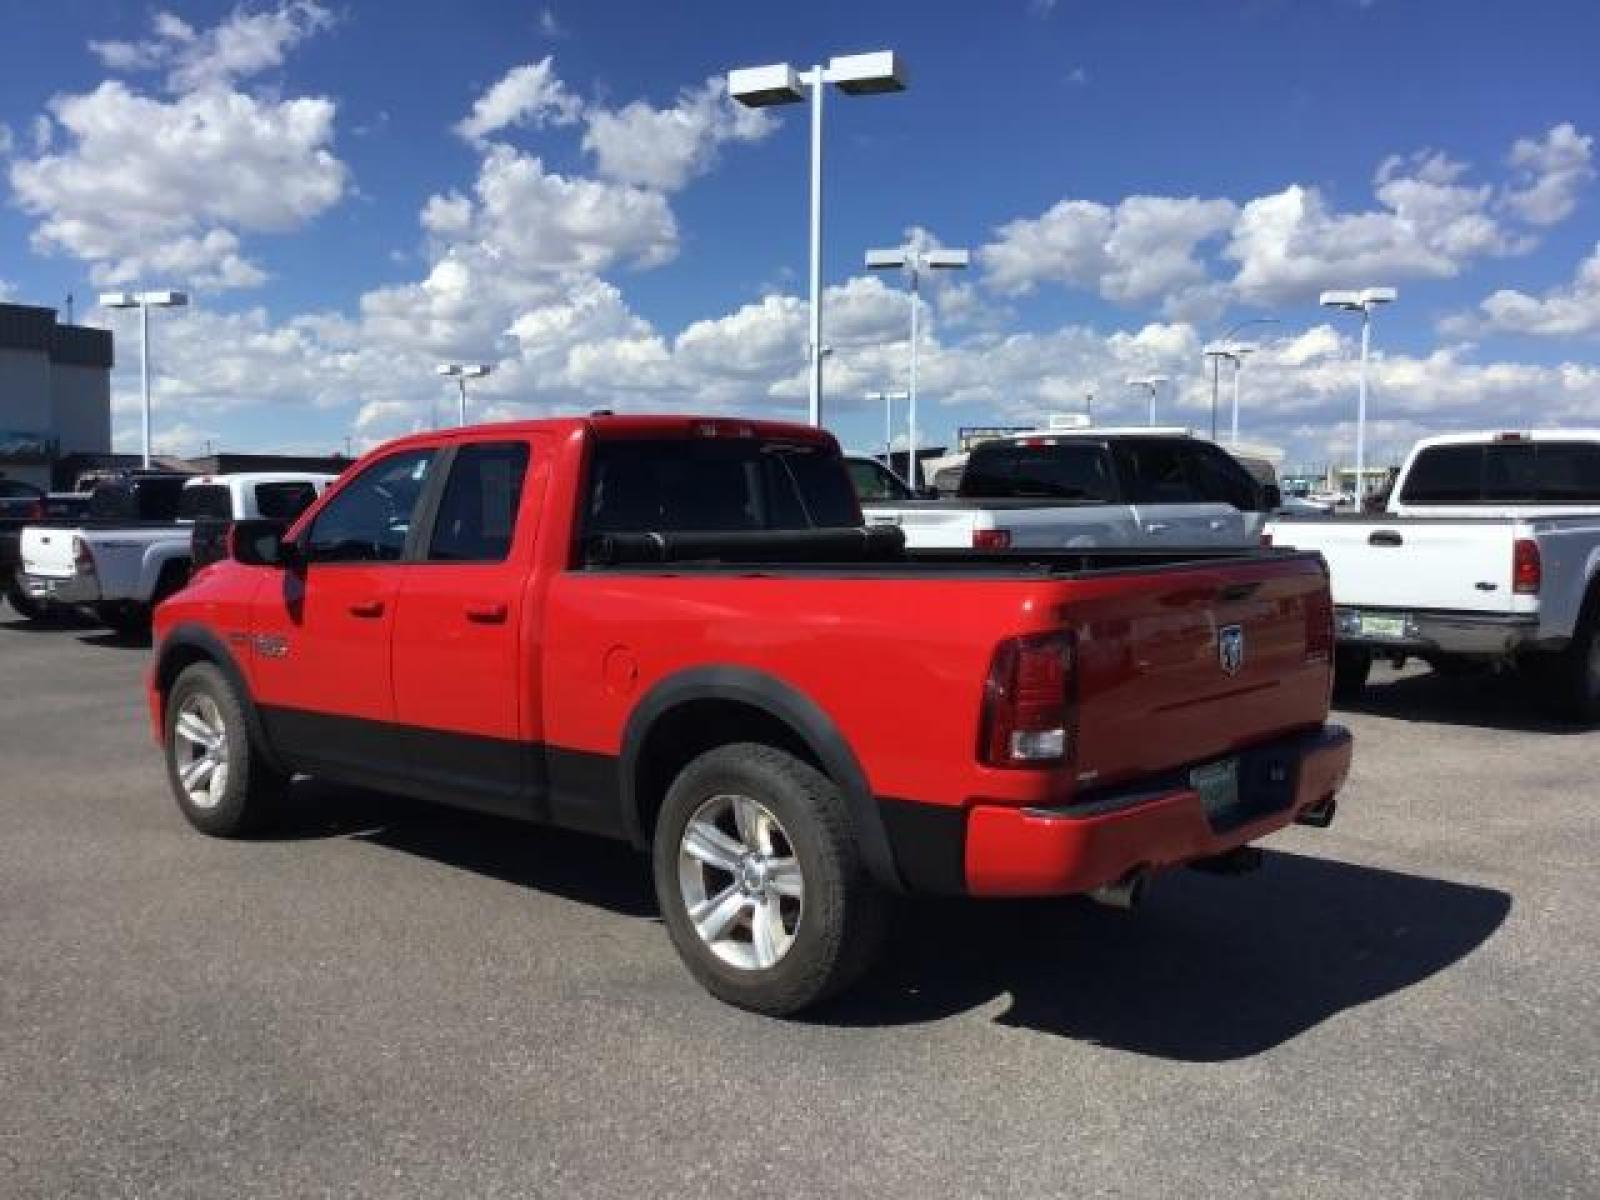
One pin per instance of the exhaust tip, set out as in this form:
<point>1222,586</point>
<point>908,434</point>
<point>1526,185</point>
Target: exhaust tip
<point>1319,816</point>
<point>1126,894</point>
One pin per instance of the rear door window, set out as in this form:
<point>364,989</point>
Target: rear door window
<point>1219,479</point>
<point>1569,472</point>
<point>477,515</point>
<point>1155,471</point>
<point>205,500</point>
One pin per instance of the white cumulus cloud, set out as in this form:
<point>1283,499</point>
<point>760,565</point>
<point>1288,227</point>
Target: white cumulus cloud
<point>1570,310</point>
<point>664,148</point>
<point>529,95</point>
<point>1550,173</point>
<point>242,44</point>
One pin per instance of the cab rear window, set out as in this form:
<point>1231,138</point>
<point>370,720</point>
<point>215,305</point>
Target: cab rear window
<point>717,486</point>
<point>1505,473</point>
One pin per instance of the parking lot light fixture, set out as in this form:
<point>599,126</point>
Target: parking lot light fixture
<point>461,372</point>
<point>913,262</point>
<point>1363,302</point>
<point>144,302</point>
<point>1151,384</point>
<point>888,399</point>
<point>779,83</point>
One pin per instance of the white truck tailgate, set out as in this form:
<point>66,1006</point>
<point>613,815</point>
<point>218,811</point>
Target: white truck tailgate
<point>47,552</point>
<point>1461,565</point>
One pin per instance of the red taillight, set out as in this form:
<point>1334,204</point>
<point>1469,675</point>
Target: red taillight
<point>1266,538</point>
<point>1027,702</point>
<point>82,556</point>
<point>35,511</point>
<point>1319,627</point>
<point>1527,573</point>
<point>991,539</point>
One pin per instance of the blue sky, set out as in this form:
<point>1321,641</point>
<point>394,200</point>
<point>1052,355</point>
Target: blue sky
<point>1133,178</point>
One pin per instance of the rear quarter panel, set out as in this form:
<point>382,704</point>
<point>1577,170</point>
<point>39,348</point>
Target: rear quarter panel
<point>899,665</point>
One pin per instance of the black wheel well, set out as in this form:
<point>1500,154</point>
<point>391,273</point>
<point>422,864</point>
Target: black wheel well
<point>175,661</point>
<point>173,575</point>
<point>688,730</point>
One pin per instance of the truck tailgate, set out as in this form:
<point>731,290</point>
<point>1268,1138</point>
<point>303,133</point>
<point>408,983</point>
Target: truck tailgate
<point>1177,668</point>
<point>1417,564</point>
<point>47,552</point>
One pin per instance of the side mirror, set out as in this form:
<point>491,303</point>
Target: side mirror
<point>259,543</point>
<point>1271,497</point>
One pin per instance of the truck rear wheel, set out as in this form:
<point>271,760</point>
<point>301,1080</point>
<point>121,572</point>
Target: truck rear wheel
<point>1571,682</point>
<point>127,617</point>
<point>1351,666</point>
<point>760,880</point>
<point>22,604</point>
<point>219,780</point>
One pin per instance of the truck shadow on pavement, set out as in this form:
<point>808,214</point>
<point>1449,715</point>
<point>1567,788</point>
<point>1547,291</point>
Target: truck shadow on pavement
<point>1209,970</point>
<point>588,870</point>
<point>1475,699</point>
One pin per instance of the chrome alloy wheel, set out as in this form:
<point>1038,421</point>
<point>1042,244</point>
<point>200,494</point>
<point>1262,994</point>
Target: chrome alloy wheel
<point>741,882</point>
<point>200,750</point>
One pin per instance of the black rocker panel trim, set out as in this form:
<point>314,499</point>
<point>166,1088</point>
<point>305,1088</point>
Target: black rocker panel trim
<point>526,780</point>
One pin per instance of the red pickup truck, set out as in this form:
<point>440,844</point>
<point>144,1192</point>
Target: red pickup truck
<point>677,631</point>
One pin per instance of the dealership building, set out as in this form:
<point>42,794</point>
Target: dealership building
<point>55,392</point>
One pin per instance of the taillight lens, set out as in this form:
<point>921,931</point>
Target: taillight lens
<point>991,539</point>
<point>35,511</point>
<point>1319,627</point>
<point>1527,572</point>
<point>1027,702</point>
<point>82,557</point>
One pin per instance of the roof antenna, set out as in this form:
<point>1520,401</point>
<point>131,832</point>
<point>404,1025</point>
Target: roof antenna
<point>69,308</point>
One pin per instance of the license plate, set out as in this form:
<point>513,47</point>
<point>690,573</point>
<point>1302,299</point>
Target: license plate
<point>1389,627</point>
<point>1218,785</point>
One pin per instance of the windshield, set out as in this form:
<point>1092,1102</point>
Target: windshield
<point>717,486</point>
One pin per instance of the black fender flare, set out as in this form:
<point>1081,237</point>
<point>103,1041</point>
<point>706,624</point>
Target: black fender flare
<point>211,648</point>
<point>784,703</point>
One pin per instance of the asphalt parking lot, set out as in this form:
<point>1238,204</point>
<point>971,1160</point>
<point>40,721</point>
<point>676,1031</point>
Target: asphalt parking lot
<point>385,999</point>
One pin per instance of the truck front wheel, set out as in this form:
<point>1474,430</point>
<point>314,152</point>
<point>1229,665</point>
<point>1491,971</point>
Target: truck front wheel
<point>1351,666</point>
<point>760,880</point>
<point>219,780</point>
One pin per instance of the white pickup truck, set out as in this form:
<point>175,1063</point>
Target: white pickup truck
<point>120,567</point>
<point>1090,487</point>
<point>1488,553</point>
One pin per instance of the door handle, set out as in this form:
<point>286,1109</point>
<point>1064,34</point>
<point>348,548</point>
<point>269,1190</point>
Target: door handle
<point>1219,523</point>
<point>1157,527</point>
<point>1386,537</point>
<point>367,608</point>
<point>486,614</point>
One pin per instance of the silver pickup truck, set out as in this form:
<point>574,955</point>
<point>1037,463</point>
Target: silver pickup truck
<point>1072,488</point>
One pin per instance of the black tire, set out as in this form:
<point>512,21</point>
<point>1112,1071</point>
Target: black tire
<point>24,605</point>
<point>174,578</point>
<point>252,791</point>
<point>126,617</point>
<point>842,917</point>
<point>1351,667</point>
<point>1569,682</point>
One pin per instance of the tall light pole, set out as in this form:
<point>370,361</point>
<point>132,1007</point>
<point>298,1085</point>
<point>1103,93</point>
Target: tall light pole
<point>461,372</point>
<point>1151,384</point>
<point>1362,302</point>
<point>888,399</point>
<point>913,262</point>
<point>144,302</point>
<point>762,87</point>
<point>1239,353</point>
<point>1226,340</point>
